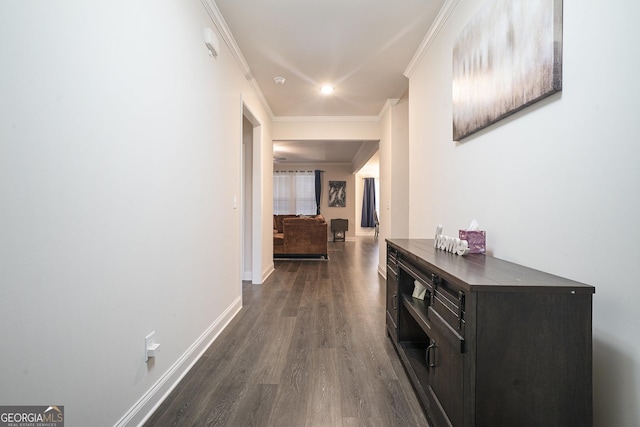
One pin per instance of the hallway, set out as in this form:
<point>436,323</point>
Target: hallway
<point>308,348</point>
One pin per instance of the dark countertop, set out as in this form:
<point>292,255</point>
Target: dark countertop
<point>483,273</point>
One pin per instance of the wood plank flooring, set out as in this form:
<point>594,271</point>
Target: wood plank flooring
<point>308,348</point>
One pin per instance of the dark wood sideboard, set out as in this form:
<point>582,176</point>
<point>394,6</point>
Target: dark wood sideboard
<point>493,343</point>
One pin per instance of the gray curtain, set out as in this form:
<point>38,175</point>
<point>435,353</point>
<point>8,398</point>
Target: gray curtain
<point>369,203</point>
<point>318,189</point>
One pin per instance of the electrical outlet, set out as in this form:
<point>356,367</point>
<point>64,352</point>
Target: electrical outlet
<point>151,347</point>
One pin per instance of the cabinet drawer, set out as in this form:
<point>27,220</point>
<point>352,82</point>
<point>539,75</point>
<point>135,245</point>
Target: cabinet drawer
<point>393,270</point>
<point>392,256</point>
<point>449,304</point>
<point>424,278</point>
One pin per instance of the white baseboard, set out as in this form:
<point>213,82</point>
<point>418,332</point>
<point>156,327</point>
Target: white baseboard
<point>270,269</point>
<point>144,408</point>
<point>382,271</point>
<point>346,239</point>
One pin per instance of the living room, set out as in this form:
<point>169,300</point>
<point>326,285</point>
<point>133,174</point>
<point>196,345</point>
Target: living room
<point>341,169</point>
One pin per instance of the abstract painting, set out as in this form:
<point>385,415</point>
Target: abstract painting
<point>337,194</point>
<point>508,57</point>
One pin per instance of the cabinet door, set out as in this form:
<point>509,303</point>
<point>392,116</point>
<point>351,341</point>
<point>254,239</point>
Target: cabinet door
<point>445,368</point>
<point>392,303</point>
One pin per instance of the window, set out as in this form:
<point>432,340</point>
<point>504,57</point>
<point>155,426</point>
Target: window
<point>294,192</point>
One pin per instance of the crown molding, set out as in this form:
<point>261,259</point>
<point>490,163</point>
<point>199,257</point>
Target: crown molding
<point>221,25</point>
<point>391,102</point>
<point>434,30</point>
<point>302,165</point>
<point>326,119</point>
<point>225,32</point>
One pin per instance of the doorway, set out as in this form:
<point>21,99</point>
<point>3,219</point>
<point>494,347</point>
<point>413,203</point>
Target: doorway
<point>247,199</point>
<point>251,243</point>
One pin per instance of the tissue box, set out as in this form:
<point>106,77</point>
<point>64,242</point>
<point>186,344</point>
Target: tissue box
<point>477,240</point>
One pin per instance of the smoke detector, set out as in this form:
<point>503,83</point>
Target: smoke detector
<point>279,80</point>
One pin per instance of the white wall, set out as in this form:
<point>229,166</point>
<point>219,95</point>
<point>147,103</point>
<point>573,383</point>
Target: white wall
<point>248,196</point>
<point>556,186</point>
<point>394,177</point>
<point>120,155</point>
<point>263,195</point>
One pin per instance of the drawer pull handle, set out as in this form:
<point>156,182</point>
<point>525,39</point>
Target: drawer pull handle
<point>394,301</point>
<point>427,356</point>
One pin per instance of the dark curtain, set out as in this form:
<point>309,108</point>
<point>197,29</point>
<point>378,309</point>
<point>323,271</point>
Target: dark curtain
<point>369,203</point>
<point>318,189</point>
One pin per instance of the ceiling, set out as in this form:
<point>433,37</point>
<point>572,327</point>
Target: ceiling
<point>317,151</point>
<point>360,47</point>
<point>360,156</point>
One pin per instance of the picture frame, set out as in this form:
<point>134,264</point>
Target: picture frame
<point>337,194</point>
<point>508,57</point>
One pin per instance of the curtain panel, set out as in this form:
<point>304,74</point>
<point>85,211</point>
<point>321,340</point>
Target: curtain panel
<point>369,203</point>
<point>318,175</point>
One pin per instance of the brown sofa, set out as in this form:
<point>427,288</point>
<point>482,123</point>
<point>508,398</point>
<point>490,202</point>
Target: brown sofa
<point>299,236</point>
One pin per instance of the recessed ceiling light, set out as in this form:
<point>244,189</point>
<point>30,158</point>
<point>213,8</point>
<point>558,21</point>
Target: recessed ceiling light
<point>279,80</point>
<point>327,89</point>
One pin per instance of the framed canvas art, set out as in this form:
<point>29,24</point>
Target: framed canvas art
<point>337,194</point>
<point>508,57</point>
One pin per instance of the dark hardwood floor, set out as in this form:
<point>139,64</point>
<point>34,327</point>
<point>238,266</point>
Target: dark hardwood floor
<point>308,348</point>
